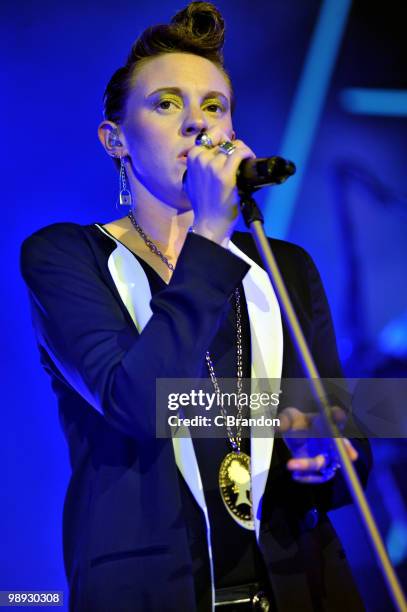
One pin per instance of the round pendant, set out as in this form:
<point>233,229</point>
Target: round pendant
<point>235,488</point>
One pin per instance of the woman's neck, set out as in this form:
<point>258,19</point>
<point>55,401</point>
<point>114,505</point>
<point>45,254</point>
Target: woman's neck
<point>166,226</point>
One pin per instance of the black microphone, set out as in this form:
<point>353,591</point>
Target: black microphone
<point>260,172</point>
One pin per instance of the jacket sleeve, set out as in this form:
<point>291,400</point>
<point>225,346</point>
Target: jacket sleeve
<point>81,325</point>
<point>334,493</point>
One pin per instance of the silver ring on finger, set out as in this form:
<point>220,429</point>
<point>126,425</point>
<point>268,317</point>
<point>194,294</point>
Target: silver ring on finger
<point>227,147</point>
<point>203,140</point>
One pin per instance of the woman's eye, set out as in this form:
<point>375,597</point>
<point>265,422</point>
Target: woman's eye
<point>166,104</point>
<point>214,107</point>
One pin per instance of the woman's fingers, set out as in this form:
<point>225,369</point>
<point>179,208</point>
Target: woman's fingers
<point>216,136</point>
<point>319,462</point>
<point>292,419</point>
<point>308,464</point>
<point>211,182</point>
<point>211,185</point>
<point>350,449</point>
<point>216,158</point>
<point>232,162</point>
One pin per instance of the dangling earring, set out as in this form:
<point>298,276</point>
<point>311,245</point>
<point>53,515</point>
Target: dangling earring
<point>125,195</point>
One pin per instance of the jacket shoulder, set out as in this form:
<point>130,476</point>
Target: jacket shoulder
<point>296,266</point>
<point>283,250</point>
<point>55,232</point>
<point>56,242</point>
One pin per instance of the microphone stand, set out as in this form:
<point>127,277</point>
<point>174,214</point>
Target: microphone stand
<point>254,221</point>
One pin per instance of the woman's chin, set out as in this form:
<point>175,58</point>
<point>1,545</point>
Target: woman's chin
<point>183,202</point>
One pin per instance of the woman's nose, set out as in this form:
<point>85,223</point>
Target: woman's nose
<point>194,122</point>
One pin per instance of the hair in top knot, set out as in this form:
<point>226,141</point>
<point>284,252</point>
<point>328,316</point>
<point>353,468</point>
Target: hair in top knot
<point>199,28</point>
<point>203,24</point>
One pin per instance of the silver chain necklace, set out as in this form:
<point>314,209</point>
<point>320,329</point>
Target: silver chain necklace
<point>234,472</point>
<point>235,439</point>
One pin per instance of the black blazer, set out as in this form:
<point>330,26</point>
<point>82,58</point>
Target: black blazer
<point>125,540</point>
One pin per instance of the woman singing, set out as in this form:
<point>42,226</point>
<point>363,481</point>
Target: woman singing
<point>170,290</point>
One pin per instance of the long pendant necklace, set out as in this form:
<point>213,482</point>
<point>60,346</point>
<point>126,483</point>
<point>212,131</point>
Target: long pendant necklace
<point>234,471</point>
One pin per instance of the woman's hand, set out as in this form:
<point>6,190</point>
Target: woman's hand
<point>291,420</point>
<point>211,186</point>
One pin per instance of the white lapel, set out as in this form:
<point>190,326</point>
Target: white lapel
<point>266,349</point>
<point>132,284</point>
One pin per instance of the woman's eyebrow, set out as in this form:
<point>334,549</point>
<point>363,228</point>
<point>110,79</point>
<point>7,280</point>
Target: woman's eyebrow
<point>217,94</point>
<point>177,91</point>
<point>174,90</point>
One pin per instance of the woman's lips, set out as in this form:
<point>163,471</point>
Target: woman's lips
<point>183,157</point>
<point>184,154</point>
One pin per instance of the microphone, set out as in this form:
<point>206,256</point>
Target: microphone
<point>260,172</point>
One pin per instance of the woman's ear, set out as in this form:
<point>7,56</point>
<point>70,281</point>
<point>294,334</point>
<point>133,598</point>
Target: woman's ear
<point>109,136</point>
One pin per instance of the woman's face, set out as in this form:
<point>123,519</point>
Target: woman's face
<point>174,96</point>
